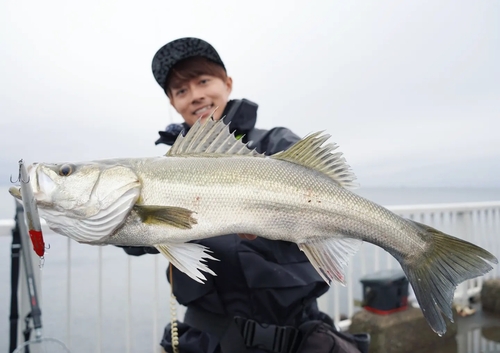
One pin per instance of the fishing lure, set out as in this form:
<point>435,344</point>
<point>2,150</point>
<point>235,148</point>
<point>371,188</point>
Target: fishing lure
<point>31,211</point>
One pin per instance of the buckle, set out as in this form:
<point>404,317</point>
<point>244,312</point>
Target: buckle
<point>277,339</point>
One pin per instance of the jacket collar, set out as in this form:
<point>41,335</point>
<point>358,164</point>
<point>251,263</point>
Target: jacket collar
<point>242,114</point>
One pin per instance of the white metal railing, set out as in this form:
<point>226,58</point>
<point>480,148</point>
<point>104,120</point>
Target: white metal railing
<point>477,222</point>
<point>100,299</point>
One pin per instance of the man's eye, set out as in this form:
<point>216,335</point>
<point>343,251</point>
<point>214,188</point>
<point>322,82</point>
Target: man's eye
<point>205,80</point>
<point>179,92</point>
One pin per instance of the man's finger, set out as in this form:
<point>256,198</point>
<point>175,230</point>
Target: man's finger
<point>247,236</point>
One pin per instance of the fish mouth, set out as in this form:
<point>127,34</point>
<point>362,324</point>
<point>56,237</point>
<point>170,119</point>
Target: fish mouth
<point>32,179</point>
<point>43,185</point>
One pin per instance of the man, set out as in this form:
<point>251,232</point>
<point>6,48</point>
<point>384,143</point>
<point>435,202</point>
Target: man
<point>264,290</point>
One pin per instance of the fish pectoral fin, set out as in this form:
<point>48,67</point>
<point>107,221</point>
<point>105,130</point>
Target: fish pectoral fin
<point>173,216</point>
<point>329,256</point>
<point>189,258</point>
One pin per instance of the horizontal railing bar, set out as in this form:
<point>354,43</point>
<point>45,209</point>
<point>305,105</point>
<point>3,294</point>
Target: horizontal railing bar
<point>442,207</point>
<point>7,224</point>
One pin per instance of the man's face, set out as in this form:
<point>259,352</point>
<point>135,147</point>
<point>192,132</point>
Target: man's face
<point>198,97</point>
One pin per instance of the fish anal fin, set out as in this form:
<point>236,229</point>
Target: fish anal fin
<point>173,216</point>
<point>330,256</point>
<point>189,258</point>
<point>310,153</point>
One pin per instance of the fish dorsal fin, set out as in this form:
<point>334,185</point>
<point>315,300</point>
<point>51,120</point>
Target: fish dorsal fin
<point>210,137</point>
<point>310,153</point>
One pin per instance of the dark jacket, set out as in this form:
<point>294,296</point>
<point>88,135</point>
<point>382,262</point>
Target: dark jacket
<point>271,282</point>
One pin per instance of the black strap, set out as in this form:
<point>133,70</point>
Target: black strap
<point>362,341</point>
<point>27,328</point>
<point>237,334</point>
<point>276,339</point>
<point>14,284</point>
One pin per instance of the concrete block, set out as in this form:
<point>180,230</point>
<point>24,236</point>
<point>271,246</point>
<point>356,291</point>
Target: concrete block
<point>490,296</point>
<point>491,333</point>
<point>404,331</point>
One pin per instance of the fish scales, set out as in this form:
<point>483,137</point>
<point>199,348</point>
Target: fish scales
<point>266,197</point>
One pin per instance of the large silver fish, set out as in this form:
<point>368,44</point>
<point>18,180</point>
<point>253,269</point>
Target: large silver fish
<point>210,184</point>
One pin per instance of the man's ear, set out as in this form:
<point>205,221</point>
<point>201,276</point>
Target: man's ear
<point>229,84</point>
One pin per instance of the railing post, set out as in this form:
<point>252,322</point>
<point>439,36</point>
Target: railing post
<point>496,233</point>
<point>128,324</point>
<point>99,305</point>
<point>68,293</point>
<point>156,306</point>
<point>463,227</point>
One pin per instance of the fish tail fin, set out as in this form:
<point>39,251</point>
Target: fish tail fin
<point>447,262</point>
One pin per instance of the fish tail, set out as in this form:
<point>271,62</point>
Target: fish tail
<point>447,262</point>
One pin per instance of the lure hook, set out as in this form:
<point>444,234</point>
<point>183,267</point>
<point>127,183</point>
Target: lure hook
<point>19,176</point>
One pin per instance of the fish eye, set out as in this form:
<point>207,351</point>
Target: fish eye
<point>65,170</point>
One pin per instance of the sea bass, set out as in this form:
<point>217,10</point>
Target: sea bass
<point>210,183</point>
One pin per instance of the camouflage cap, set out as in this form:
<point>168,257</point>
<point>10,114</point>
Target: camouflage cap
<point>179,49</point>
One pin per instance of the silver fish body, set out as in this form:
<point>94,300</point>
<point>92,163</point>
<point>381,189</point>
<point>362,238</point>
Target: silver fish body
<point>263,196</point>
<point>211,184</point>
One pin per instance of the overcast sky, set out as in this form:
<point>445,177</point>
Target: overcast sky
<point>410,90</point>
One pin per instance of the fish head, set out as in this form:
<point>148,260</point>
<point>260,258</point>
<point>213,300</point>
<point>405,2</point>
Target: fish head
<point>84,201</point>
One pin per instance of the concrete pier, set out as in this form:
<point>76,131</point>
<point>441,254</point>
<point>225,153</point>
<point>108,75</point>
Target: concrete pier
<point>397,332</point>
<point>490,296</point>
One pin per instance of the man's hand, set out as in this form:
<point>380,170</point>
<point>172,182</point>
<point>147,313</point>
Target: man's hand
<point>247,236</point>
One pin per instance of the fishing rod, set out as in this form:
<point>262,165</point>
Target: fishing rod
<point>28,222</point>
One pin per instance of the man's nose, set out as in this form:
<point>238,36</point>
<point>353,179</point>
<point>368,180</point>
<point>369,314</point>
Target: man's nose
<point>198,93</point>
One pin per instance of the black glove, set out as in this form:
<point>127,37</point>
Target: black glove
<point>139,250</point>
